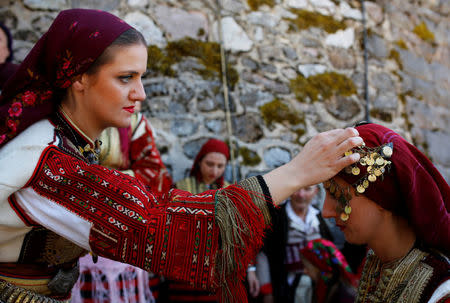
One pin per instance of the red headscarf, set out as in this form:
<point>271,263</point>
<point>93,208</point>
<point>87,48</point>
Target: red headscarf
<point>212,145</point>
<point>413,188</point>
<point>74,40</point>
<point>324,255</point>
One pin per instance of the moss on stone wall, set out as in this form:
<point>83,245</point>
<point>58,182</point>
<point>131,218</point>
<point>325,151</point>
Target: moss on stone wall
<point>249,157</point>
<point>277,111</point>
<point>424,33</point>
<point>382,115</point>
<point>158,62</point>
<point>306,19</point>
<point>400,43</point>
<point>322,86</point>
<point>255,4</point>
<point>394,55</point>
<point>208,54</point>
<point>402,96</point>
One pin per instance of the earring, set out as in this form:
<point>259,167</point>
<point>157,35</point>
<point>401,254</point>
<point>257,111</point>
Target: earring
<point>342,196</point>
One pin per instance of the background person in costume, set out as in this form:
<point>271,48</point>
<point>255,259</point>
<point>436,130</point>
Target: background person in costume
<point>333,279</point>
<point>132,150</point>
<point>396,202</point>
<point>82,76</point>
<point>294,224</point>
<point>7,68</point>
<point>208,168</point>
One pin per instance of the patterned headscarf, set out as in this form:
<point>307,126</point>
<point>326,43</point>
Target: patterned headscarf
<point>413,188</point>
<point>324,255</point>
<point>76,38</point>
<point>212,145</point>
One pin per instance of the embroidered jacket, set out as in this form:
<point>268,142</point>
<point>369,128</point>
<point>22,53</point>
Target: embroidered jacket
<point>47,185</point>
<point>419,277</point>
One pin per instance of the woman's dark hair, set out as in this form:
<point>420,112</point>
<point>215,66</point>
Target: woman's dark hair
<point>129,37</point>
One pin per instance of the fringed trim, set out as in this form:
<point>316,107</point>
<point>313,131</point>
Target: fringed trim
<point>241,217</point>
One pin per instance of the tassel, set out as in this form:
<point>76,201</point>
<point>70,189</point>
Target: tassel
<point>241,217</point>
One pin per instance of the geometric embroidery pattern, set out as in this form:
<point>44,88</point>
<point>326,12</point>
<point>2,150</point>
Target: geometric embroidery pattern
<point>175,236</point>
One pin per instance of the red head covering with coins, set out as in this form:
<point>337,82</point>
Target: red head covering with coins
<point>409,185</point>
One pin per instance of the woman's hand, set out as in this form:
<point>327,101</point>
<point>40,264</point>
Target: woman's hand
<point>320,159</point>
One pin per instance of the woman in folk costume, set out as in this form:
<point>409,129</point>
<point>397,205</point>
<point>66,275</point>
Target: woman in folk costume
<point>333,279</point>
<point>131,150</point>
<point>57,203</point>
<point>208,168</point>
<point>396,201</point>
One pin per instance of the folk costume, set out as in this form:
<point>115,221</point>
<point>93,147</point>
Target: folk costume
<point>181,292</point>
<point>398,177</point>
<point>133,151</point>
<point>337,283</point>
<point>57,203</point>
<point>285,266</point>
<point>194,183</point>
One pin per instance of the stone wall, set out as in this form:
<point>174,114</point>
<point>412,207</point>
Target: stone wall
<point>295,68</point>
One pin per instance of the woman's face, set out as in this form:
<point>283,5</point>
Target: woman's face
<point>212,166</point>
<point>302,198</point>
<point>364,220</point>
<point>110,96</point>
<point>4,51</point>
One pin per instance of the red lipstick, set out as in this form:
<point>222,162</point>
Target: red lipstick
<point>129,109</point>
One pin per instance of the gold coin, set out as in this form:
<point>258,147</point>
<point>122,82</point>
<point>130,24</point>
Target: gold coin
<point>360,189</point>
<point>348,153</point>
<point>344,217</point>
<point>355,171</point>
<point>369,168</point>
<point>365,184</point>
<point>362,161</point>
<point>377,172</point>
<point>332,188</point>
<point>372,178</point>
<point>348,170</point>
<point>379,161</point>
<point>370,161</point>
<point>348,209</point>
<point>387,151</point>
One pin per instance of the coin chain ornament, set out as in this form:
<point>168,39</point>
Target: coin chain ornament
<point>375,160</point>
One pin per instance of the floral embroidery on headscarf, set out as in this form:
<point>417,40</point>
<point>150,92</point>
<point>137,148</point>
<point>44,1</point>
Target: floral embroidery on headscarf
<point>94,34</point>
<point>65,70</point>
<point>15,110</point>
<point>325,256</point>
<point>29,98</point>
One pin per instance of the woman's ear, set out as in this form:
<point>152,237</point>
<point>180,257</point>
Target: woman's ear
<point>79,82</point>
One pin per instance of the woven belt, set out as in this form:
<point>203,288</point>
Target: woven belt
<point>10,293</point>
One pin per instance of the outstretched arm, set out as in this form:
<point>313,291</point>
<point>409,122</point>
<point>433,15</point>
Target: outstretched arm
<point>320,159</point>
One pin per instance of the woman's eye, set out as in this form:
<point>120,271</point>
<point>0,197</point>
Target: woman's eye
<point>125,79</point>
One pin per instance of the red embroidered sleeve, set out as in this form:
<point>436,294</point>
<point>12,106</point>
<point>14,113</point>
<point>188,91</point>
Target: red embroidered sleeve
<point>176,236</point>
<point>146,162</point>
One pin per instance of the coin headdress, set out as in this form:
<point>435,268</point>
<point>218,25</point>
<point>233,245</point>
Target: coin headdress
<point>376,162</point>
